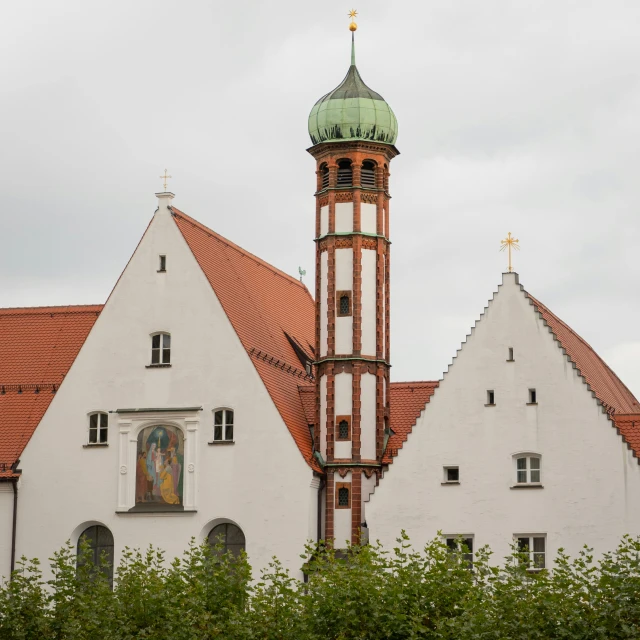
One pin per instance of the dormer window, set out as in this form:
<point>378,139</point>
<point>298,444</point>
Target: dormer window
<point>345,174</point>
<point>368,175</point>
<point>160,349</point>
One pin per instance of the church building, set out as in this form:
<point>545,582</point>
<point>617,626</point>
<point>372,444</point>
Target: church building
<point>214,396</point>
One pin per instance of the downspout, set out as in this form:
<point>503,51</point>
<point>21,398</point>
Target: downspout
<point>14,482</point>
<point>320,488</point>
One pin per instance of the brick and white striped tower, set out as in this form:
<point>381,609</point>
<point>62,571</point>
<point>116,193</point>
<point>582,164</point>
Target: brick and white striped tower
<point>353,130</point>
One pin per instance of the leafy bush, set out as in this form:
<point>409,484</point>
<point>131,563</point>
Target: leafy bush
<point>366,593</point>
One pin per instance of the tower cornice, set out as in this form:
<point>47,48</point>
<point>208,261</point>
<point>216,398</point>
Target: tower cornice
<point>322,149</point>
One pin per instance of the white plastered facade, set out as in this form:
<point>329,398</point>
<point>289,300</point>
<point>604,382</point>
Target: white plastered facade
<point>261,482</point>
<point>590,482</point>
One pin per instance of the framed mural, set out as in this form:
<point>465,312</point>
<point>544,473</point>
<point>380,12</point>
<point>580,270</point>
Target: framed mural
<point>160,468</point>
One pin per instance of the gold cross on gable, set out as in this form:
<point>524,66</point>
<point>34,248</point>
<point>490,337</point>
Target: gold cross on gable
<point>510,242</point>
<point>164,178</point>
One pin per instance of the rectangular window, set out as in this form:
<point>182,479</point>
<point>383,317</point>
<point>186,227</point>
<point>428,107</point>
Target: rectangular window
<point>223,424</point>
<point>534,547</point>
<point>98,428</point>
<point>343,427</point>
<point>161,349</point>
<point>451,474</point>
<point>343,495</point>
<point>462,545</point>
<point>533,396</point>
<point>163,263</point>
<point>491,398</point>
<point>510,358</point>
<point>343,303</point>
<point>528,469</point>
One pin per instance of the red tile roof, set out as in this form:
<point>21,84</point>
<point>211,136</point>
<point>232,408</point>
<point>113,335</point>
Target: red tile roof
<point>609,389</point>
<point>408,399</point>
<point>39,346</point>
<point>308,398</point>
<point>628,426</point>
<point>263,304</point>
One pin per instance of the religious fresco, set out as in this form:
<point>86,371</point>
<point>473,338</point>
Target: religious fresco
<point>160,466</point>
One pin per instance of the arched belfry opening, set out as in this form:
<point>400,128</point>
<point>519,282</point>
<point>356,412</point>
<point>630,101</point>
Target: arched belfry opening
<point>345,173</point>
<point>368,175</point>
<point>324,175</point>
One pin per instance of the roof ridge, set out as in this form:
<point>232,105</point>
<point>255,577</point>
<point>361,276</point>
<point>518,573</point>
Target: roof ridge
<point>238,248</point>
<point>70,308</point>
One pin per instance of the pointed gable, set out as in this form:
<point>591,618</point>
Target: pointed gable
<point>268,310</point>
<point>39,346</point>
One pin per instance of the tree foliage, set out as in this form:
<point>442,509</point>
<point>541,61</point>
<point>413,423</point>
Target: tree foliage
<point>366,593</point>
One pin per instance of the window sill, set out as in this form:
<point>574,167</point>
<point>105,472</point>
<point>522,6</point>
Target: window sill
<point>161,271</point>
<point>511,360</point>
<point>531,404</point>
<point>157,366</point>
<point>154,512</point>
<point>95,445</point>
<point>490,405</point>
<point>450,482</point>
<point>528,485</point>
<point>221,442</point>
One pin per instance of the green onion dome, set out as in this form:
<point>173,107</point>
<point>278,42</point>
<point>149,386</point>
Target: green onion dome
<point>352,111</point>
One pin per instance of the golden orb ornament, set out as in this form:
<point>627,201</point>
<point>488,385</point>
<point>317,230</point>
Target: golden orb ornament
<point>353,26</point>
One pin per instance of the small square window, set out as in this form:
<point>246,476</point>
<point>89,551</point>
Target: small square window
<point>451,474</point>
<point>343,303</point>
<point>163,263</point>
<point>528,469</point>
<point>343,495</point>
<point>343,427</point>
<point>533,396</point>
<point>535,549</point>
<point>462,545</point>
<point>491,398</point>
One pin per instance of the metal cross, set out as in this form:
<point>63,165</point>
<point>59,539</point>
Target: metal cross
<point>509,242</point>
<point>164,178</point>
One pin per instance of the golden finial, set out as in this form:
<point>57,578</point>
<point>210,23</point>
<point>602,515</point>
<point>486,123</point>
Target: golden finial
<point>164,179</point>
<point>352,14</point>
<point>509,241</point>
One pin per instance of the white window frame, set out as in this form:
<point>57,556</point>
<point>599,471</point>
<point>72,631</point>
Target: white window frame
<point>161,349</point>
<point>529,471</point>
<point>225,424</point>
<point>532,537</point>
<point>130,423</point>
<point>445,473</point>
<point>99,428</point>
<point>456,538</point>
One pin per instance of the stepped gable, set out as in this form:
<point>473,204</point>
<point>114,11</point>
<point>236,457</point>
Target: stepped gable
<point>621,405</point>
<point>39,345</point>
<point>408,399</point>
<point>609,389</point>
<point>264,305</point>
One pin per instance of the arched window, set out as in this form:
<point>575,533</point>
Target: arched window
<point>98,427</point>
<point>161,348</point>
<point>345,173</point>
<point>229,536</point>
<point>528,468</point>
<point>368,175</point>
<point>160,469</point>
<point>99,541</point>
<point>324,172</point>
<point>223,425</point>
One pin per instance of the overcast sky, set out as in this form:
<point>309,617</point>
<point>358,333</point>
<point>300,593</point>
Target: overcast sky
<point>514,115</point>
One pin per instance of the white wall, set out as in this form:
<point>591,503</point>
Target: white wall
<point>344,282</point>
<point>324,282</point>
<point>343,404</point>
<point>591,482</point>
<point>324,221</point>
<point>368,217</point>
<point>6,524</point>
<point>368,416</point>
<point>368,302</point>
<point>65,485</point>
<point>344,217</point>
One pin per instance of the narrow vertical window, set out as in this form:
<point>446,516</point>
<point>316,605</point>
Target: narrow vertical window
<point>343,495</point>
<point>491,398</point>
<point>163,263</point>
<point>223,425</point>
<point>343,303</point>
<point>343,427</point>
<point>98,428</point>
<point>161,348</point>
<point>510,358</point>
<point>533,396</point>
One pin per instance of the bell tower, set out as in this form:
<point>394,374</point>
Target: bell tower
<point>353,131</point>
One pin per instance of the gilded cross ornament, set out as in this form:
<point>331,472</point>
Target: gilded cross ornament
<point>164,179</point>
<point>352,14</point>
<point>510,242</point>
